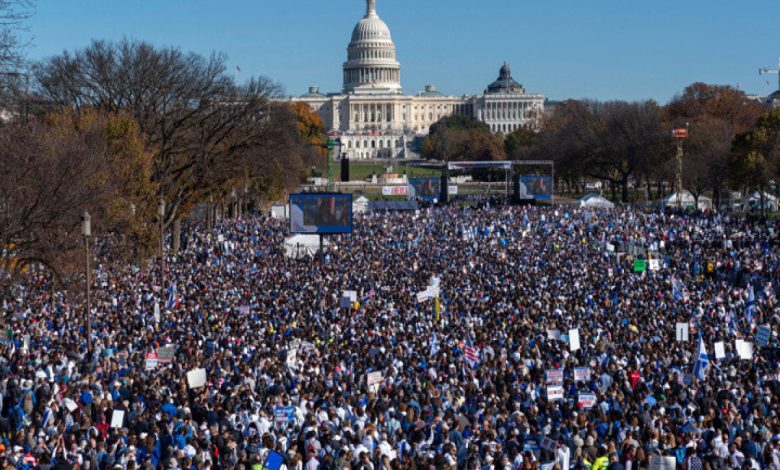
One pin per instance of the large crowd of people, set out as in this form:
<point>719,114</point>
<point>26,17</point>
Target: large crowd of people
<point>448,338</point>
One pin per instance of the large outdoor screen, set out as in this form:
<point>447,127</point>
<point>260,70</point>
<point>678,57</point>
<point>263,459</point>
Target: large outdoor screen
<point>320,213</point>
<point>538,187</point>
<point>425,188</point>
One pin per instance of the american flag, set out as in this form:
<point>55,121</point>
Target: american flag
<point>471,353</point>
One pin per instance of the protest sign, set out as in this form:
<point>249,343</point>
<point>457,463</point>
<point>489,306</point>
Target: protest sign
<point>273,461</point>
<point>423,296</point>
<point>654,265</point>
<point>586,400</point>
<point>744,349</point>
<point>720,350</point>
<point>681,331</point>
<point>554,335</point>
<point>581,374</point>
<point>554,376</point>
<point>374,380</point>
<point>292,357</point>
<point>243,310</point>
<point>196,378</point>
<point>640,265</point>
<point>574,339</point>
<point>284,414</point>
<point>345,302</point>
<point>554,392</point>
<point>351,294</point>
<point>151,360</point>
<point>117,418</point>
<point>70,404</point>
<point>165,354</point>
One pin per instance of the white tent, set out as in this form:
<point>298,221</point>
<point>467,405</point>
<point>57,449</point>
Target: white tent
<point>752,201</point>
<point>302,245</point>
<point>596,201</point>
<point>687,201</point>
<point>360,205</point>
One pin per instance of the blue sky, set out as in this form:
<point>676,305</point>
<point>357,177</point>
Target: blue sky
<point>602,49</point>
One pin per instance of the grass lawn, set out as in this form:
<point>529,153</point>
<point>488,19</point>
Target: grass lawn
<point>359,171</point>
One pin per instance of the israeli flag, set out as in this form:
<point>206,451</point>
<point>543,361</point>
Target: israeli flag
<point>434,345</point>
<point>750,305</point>
<point>679,292</point>
<point>702,362</point>
<point>170,301</point>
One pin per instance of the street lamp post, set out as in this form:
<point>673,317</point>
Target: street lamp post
<point>161,213</point>
<point>86,232</point>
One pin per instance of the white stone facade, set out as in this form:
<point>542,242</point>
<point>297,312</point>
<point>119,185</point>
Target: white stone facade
<point>374,119</point>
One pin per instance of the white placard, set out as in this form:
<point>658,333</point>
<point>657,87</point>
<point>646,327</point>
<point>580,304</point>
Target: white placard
<point>423,296</point>
<point>352,294</point>
<point>196,378</point>
<point>70,404</point>
<point>720,350</point>
<point>452,190</point>
<point>374,380</point>
<point>220,238</point>
<point>654,265</point>
<point>681,332</point>
<point>554,335</point>
<point>581,374</point>
<point>554,392</point>
<point>433,291</point>
<point>117,418</point>
<point>292,358</point>
<point>574,339</point>
<point>744,349</point>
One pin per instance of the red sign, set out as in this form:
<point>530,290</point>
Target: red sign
<point>680,133</point>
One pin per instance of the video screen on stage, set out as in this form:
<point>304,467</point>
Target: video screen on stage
<point>320,213</point>
<point>425,188</point>
<point>536,187</point>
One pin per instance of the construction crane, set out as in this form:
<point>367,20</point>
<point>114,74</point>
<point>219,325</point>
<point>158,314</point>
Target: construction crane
<point>768,71</point>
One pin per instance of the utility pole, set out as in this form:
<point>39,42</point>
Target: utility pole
<point>86,232</point>
<point>680,135</point>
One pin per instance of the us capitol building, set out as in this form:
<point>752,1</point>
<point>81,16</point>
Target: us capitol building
<point>374,119</point>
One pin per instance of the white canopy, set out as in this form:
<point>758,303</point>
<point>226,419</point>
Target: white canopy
<point>596,201</point>
<point>687,201</point>
<point>299,246</point>
<point>752,201</point>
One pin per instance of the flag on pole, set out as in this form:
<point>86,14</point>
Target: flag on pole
<point>702,361</point>
<point>171,302</point>
<point>471,353</point>
<point>436,308</point>
<point>434,345</point>
<point>679,292</point>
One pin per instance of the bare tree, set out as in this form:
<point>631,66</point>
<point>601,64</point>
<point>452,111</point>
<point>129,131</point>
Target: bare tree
<point>202,127</point>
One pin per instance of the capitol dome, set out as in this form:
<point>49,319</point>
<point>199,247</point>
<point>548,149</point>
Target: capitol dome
<point>371,64</point>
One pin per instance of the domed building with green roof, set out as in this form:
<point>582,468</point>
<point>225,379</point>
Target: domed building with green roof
<point>374,119</point>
